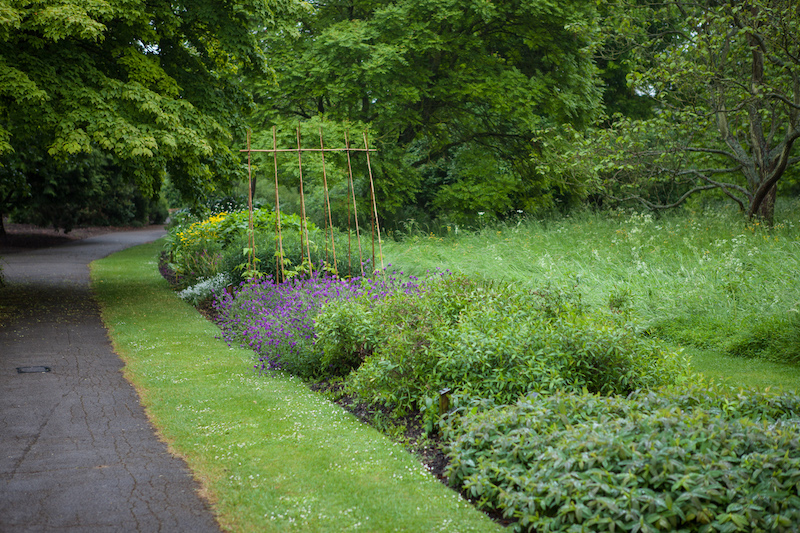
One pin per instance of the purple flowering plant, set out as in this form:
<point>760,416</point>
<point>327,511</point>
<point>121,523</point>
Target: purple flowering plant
<point>276,320</point>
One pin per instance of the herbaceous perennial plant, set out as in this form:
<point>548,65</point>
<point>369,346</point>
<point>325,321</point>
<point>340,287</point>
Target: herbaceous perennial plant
<point>276,320</point>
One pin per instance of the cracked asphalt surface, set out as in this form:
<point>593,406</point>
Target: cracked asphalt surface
<point>77,452</point>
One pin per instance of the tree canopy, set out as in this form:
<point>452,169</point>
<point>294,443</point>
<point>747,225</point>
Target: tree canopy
<point>152,85</point>
<point>476,106</point>
<point>452,91</point>
<point>724,77</point>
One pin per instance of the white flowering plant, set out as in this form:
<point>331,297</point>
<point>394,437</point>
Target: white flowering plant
<point>205,289</point>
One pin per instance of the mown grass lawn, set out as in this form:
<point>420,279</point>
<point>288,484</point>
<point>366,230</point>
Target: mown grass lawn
<point>270,454</point>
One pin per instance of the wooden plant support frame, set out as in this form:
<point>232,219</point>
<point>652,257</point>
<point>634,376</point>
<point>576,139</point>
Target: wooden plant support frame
<point>305,250</point>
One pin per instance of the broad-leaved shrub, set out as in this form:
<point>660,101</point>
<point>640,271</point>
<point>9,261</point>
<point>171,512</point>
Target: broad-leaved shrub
<point>489,340</point>
<point>400,371</point>
<point>346,334</point>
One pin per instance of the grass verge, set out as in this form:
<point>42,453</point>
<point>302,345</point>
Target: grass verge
<point>271,454</point>
<point>742,372</point>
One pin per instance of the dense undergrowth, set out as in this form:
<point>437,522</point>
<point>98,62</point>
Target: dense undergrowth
<point>402,343</point>
<point>558,405</point>
<point>691,459</point>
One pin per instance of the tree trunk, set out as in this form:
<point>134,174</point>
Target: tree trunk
<point>766,211</point>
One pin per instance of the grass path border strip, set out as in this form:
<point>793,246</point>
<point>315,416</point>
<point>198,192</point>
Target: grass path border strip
<point>270,454</point>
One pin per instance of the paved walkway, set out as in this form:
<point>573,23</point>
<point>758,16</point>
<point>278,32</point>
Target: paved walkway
<point>77,453</point>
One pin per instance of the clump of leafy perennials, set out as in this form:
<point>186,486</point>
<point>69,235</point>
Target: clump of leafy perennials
<point>201,249</point>
<point>690,459</point>
<point>276,320</point>
<point>482,339</point>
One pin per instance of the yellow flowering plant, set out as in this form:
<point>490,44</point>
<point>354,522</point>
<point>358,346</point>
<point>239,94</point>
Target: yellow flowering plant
<point>201,249</point>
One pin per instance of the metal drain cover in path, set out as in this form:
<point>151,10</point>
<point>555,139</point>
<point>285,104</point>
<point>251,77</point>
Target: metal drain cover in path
<point>32,369</point>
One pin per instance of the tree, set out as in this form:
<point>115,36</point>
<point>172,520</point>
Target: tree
<point>151,85</point>
<point>84,190</point>
<point>725,79</point>
<point>453,91</point>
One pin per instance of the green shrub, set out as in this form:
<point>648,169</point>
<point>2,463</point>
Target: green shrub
<point>604,357</point>
<point>776,338</point>
<point>490,355</point>
<point>401,370</point>
<point>499,350</point>
<point>195,248</point>
<point>346,335</point>
<point>690,460</point>
<point>486,340</point>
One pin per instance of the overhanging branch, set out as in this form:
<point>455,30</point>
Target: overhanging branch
<point>716,151</point>
<point>654,207</point>
<point>725,188</point>
<point>783,99</point>
<point>703,175</point>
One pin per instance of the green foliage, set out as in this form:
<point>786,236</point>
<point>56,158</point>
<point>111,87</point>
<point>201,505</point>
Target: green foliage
<point>346,335</point>
<point>150,85</point>
<point>477,182</point>
<point>504,349</point>
<point>401,371</point>
<point>695,459</point>
<point>85,190</point>
<point>451,90</point>
<point>194,249</point>
<point>200,249</point>
<point>484,340</point>
<point>775,339</point>
<point>700,276</point>
<point>722,77</point>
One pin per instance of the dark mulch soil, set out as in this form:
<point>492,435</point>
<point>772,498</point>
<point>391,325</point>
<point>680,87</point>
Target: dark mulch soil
<point>167,273</point>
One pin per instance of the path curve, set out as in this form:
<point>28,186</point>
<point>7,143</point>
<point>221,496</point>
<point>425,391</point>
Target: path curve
<point>77,453</point>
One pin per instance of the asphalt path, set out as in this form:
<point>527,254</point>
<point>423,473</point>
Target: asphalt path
<point>77,452</point>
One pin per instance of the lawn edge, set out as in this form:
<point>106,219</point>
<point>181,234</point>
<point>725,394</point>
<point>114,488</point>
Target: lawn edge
<point>124,321</point>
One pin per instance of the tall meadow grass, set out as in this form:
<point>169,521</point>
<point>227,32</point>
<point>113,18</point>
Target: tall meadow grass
<point>702,277</point>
